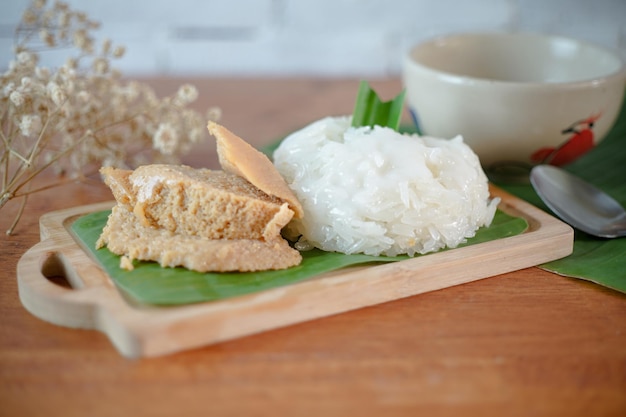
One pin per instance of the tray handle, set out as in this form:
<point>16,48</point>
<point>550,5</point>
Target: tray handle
<point>75,305</point>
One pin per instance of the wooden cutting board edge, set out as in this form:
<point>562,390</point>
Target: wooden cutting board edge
<point>136,331</point>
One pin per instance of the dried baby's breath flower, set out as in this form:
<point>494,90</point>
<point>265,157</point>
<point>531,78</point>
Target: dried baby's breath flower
<point>29,17</point>
<point>17,98</point>
<point>42,73</point>
<point>106,46</point>
<point>30,125</point>
<point>214,113</point>
<point>76,118</point>
<point>165,139</point>
<point>26,58</point>
<point>100,66</point>
<point>26,82</point>
<point>186,94</point>
<point>56,93</point>
<point>83,97</point>
<point>47,37</point>
<point>119,52</point>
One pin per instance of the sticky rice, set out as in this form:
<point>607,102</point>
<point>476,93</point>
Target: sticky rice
<point>379,192</point>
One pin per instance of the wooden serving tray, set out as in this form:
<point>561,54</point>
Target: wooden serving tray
<point>94,302</point>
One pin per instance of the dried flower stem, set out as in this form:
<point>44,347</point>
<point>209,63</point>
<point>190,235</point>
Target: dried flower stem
<point>18,216</point>
<point>81,116</point>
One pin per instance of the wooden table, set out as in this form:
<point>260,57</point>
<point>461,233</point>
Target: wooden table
<point>523,343</point>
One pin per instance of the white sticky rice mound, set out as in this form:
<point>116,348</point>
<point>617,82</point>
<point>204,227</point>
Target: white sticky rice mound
<point>378,192</point>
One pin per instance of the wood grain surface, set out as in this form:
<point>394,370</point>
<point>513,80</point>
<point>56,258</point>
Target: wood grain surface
<point>522,343</point>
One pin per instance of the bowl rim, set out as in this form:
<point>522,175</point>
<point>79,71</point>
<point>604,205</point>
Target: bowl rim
<point>410,62</point>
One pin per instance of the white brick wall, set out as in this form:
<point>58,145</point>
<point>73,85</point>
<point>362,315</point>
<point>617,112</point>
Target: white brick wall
<point>313,37</point>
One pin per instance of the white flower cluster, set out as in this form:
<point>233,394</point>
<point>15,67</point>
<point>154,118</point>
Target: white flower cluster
<point>81,116</point>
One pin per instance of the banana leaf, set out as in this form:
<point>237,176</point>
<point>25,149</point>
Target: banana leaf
<point>149,283</point>
<point>602,261</point>
<point>370,110</point>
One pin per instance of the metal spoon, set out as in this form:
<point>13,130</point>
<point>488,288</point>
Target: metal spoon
<point>579,203</point>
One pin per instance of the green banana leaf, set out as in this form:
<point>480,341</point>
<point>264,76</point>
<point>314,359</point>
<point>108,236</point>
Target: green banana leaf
<point>149,283</point>
<point>370,110</point>
<point>602,261</point>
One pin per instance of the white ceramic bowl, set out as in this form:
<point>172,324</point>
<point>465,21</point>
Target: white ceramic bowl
<point>515,97</point>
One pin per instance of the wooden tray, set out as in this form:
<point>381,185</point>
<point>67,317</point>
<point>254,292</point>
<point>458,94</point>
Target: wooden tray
<point>93,302</point>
